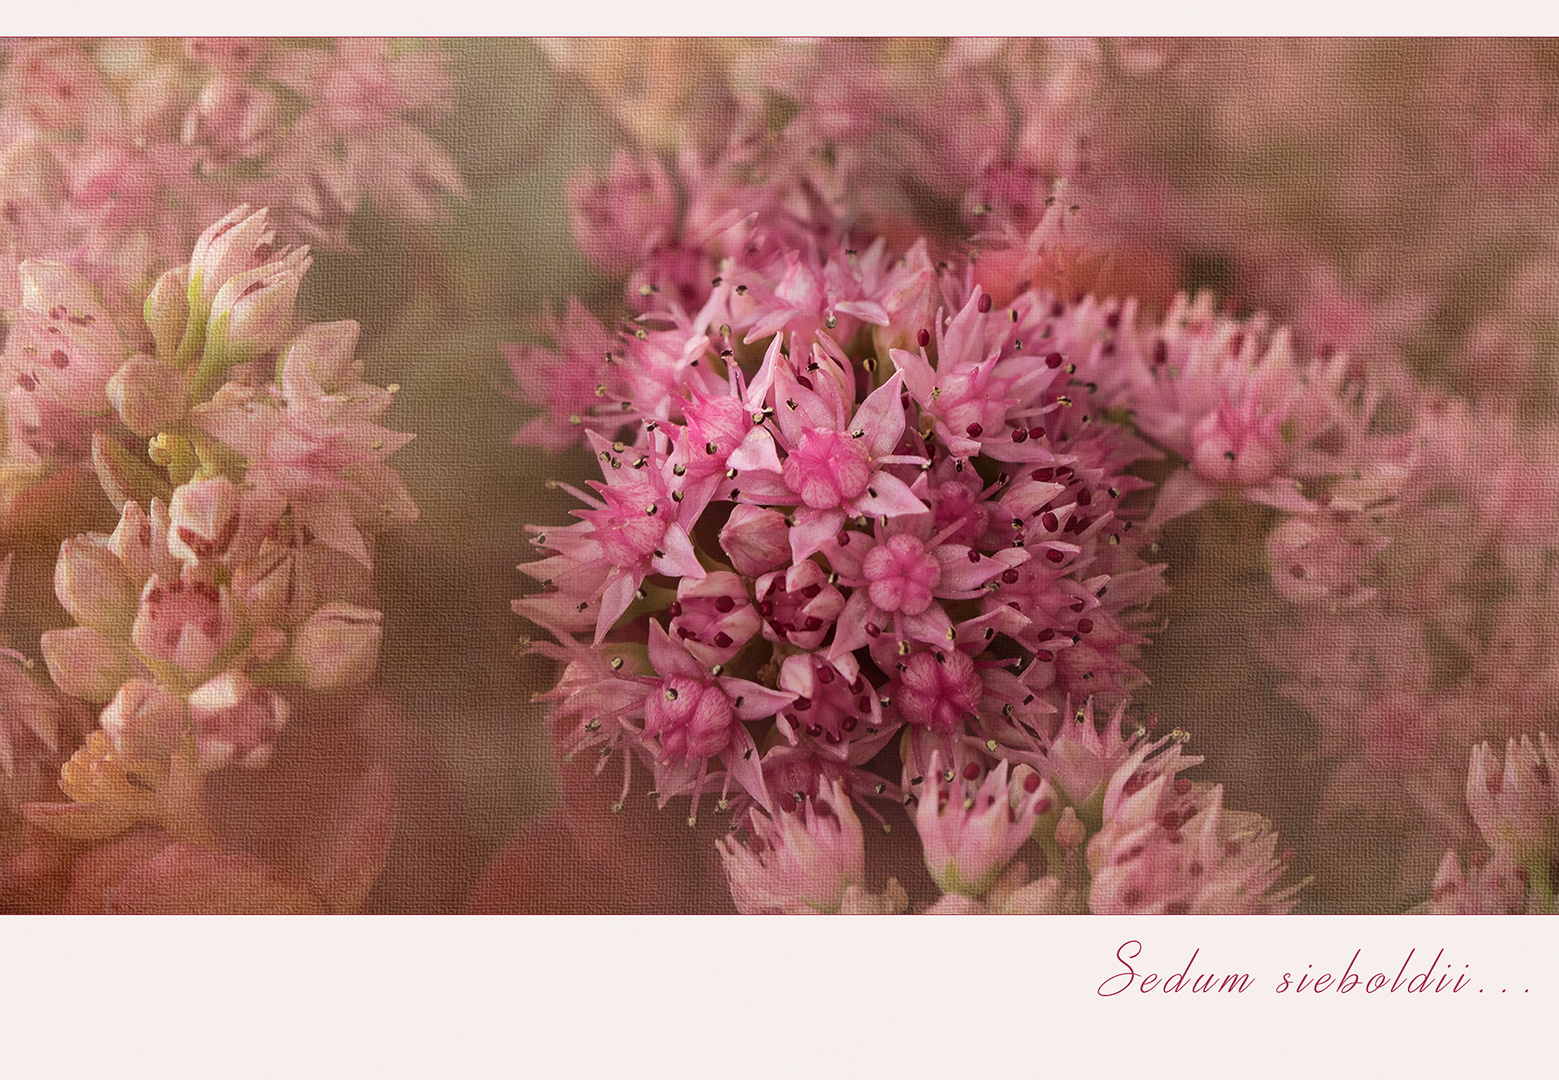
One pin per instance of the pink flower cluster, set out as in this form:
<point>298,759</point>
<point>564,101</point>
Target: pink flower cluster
<point>115,154</point>
<point>246,457</point>
<point>852,509</point>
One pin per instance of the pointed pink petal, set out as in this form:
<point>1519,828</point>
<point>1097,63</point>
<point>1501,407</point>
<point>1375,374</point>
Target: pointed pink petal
<point>746,768</point>
<point>812,528</point>
<point>892,499</point>
<point>679,559</point>
<point>614,601</point>
<point>756,453</point>
<point>882,417</point>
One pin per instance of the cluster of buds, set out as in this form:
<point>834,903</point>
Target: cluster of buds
<point>246,456</point>
<point>851,505</point>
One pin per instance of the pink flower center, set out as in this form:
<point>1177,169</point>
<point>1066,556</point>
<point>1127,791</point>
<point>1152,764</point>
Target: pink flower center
<point>902,574</point>
<point>938,689</point>
<point>827,468</point>
<point>692,719</point>
<point>954,502</point>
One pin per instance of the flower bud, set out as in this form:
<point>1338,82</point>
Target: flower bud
<point>144,721</point>
<point>716,619</point>
<point>84,663</point>
<point>1516,803</point>
<point>692,719</point>
<point>252,311</point>
<point>235,721</point>
<point>167,312</point>
<point>756,539</point>
<point>338,646</point>
<point>140,542</point>
<point>202,518</point>
<point>148,394</point>
<point>238,243</point>
<point>92,586</point>
<point>187,622</point>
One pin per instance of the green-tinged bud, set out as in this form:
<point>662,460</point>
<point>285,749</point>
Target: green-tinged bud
<point>238,243</point>
<point>144,722</point>
<point>148,394</point>
<point>92,586</point>
<point>167,312</point>
<point>85,663</point>
<point>251,313</point>
<point>338,646</point>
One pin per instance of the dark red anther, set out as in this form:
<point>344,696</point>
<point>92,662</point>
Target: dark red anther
<point>1057,309</point>
<point>849,724</point>
<point>923,338</point>
<point>1161,353</point>
<point>974,556</point>
<point>1009,577</point>
<point>1053,360</point>
<point>811,590</point>
<point>813,623</point>
<point>59,359</point>
<point>684,633</point>
<point>873,630</point>
<point>1113,320</point>
<point>724,604</point>
<point>766,608</point>
<point>1043,475</point>
<point>1031,782</point>
<point>825,674</point>
<point>27,382</point>
<point>1042,805</point>
<point>1054,556</point>
<point>971,770</point>
<point>675,610</point>
<point>1049,520</point>
<point>858,685</point>
<point>974,431</point>
<point>843,539</point>
<point>1085,626</point>
<point>802,704</point>
<point>1045,654</point>
<point>1036,433</point>
<point>1020,435</point>
<point>1084,497</point>
<point>804,381</point>
<point>1134,783</point>
<point>863,703</point>
<point>1077,605</point>
<point>722,640</point>
<point>985,303</point>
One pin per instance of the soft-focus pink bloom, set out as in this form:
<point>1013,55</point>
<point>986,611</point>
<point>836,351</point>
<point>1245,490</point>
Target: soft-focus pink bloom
<point>1489,886</point>
<point>970,833</point>
<point>798,862</point>
<point>1516,806</point>
<point>1169,846</point>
